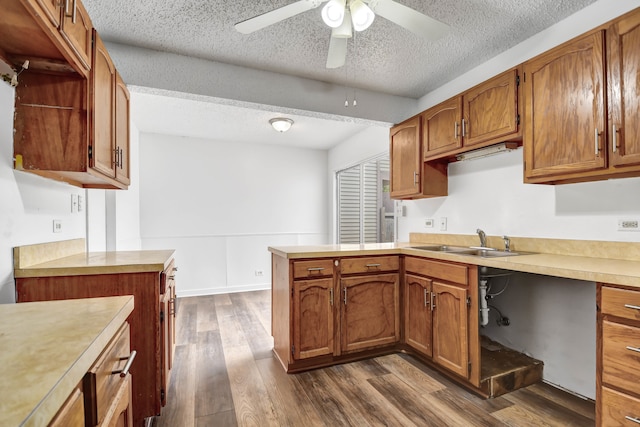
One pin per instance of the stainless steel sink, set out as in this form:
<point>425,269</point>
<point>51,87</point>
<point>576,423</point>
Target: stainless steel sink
<point>472,251</point>
<point>443,248</point>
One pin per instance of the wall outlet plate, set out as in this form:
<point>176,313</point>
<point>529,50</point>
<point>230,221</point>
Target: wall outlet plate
<point>628,225</point>
<point>57,226</point>
<point>428,223</point>
<point>443,223</point>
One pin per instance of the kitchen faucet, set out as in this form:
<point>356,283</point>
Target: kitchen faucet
<point>483,238</point>
<point>507,243</point>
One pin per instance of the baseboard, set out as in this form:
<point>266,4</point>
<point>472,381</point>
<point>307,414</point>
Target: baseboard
<point>226,290</point>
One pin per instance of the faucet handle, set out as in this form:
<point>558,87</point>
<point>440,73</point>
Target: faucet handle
<point>507,243</point>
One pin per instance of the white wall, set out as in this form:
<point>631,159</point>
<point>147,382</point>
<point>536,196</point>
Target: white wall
<point>221,204</point>
<point>29,203</point>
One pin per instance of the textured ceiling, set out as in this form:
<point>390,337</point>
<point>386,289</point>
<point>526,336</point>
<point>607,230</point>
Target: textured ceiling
<point>385,58</point>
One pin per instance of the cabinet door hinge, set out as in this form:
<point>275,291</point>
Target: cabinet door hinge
<point>518,119</point>
<point>469,367</point>
<point>90,151</point>
<point>161,316</point>
<point>524,77</point>
<point>291,292</point>
<point>517,80</point>
<point>468,301</point>
<point>162,394</point>
<point>293,349</point>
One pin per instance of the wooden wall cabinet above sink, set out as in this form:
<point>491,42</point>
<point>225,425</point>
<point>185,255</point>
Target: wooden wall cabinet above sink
<point>483,115</point>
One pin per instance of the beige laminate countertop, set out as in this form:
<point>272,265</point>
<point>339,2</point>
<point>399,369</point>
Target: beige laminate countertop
<point>45,350</point>
<point>589,266</point>
<point>98,263</point>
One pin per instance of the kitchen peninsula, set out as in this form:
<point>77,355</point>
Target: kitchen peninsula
<point>305,278</point>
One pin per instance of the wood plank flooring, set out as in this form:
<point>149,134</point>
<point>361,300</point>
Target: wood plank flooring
<point>225,375</point>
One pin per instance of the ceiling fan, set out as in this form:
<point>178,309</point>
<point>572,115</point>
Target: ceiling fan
<point>343,16</point>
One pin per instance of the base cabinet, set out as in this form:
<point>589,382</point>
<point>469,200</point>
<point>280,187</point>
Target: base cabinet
<point>151,331</point>
<point>313,330</point>
<point>438,300</point>
<point>618,359</point>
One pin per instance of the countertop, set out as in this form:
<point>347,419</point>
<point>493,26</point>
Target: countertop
<point>582,260</point>
<point>68,258</point>
<point>47,347</point>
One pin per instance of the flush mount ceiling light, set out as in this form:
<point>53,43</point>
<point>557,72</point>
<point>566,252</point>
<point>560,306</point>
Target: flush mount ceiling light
<point>281,124</point>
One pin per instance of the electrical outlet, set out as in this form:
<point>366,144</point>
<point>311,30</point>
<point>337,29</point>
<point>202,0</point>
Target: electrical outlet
<point>74,203</point>
<point>428,223</point>
<point>628,225</point>
<point>57,226</point>
<point>259,273</point>
<point>443,223</point>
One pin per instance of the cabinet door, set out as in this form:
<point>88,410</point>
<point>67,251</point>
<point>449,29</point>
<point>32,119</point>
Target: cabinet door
<point>103,85</point>
<point>490,110</point>
<point>623,39</point>
<point>565,114</point>
<point>51,8</point>
<point>72,412</point>
<point>122,131</point>
<point>450,330</point>
<point>370,312</point>
<point>313,318</point>
<point>406,159</point>
<point>417,313</point>
<point>442,128</point>
<point>120,413</point>
<point>76,29</point>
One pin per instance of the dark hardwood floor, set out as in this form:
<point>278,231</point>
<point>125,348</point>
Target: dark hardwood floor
<point>225,375</point>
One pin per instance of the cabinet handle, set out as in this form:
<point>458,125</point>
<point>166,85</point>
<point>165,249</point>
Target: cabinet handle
<point>172,306</point>
<point>172,277</point>
<point>634,307</point>
<point>345,295</point>
<point>66,7</point>
<point>426,302</point>
<point>415,178</point>
<point>636,349</point>
<point>73,13</point>
<point>464,128</point>
<point>123,373</point>
<point>372,265</point>
<point>634,419</point>
<point>175,268</point>
<point>121,156</point>
<point>116,157</point>
<point>597,139</point>
<point>433,300</point>
<point>614,137</point>
<point>455,130</point>
<point>331,296</point>
<point>312,269</point>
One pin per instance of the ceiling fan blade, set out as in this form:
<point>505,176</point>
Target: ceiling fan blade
<point>410,19</point>
<point>337,52</point>
<point>259,22</point>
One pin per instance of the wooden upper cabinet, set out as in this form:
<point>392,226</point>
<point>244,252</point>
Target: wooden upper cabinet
<point>52,9</point>
<point>76,28</point>
<point>490,110</point>
<point>442,128</point>
<point>623,60</point>
<point>411,177</point>
<point>565,114</point>
<point>406,159</point>
<point>122,131</point>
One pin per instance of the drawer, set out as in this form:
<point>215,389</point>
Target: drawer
<point>455,273</point>
<point>373,264</point>
<point>619,409</point>
<point>103,381</point>
<point>72,412</point>
<point>621,356</point>
<point>313,268</point>
<point>621,303</point>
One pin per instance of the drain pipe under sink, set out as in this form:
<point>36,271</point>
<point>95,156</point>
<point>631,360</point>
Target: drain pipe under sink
<point>484,308</point>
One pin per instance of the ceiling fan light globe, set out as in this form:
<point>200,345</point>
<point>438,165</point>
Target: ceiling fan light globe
<point>361,15</point>
<point>343,31</point>
<point>281,124</point>
<point>333,13</point>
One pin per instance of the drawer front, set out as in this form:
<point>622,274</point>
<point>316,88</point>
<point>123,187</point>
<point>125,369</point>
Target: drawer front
<point>619,409</point>
<point>455,273</point>
<point>373,264</point>
<point>313,268</point>
<point>621,356</point>
<point>103,380</point>
<point>621,303</point>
